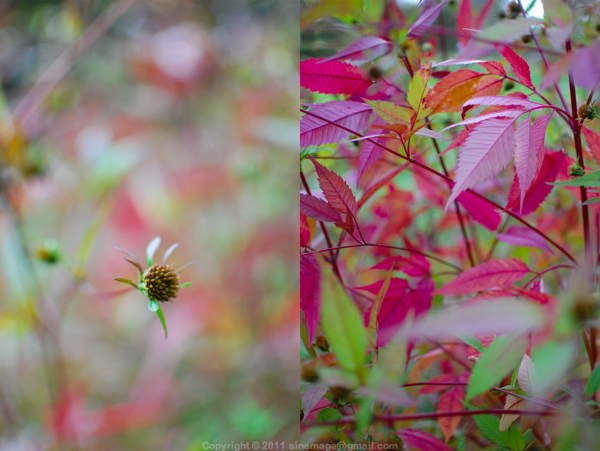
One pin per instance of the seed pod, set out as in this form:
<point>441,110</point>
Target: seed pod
<point>586,112</point>
<point>161,283</point>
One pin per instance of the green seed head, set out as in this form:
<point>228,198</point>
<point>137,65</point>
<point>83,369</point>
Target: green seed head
<point>161,283</point>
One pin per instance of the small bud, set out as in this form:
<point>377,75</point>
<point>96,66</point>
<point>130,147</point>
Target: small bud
<point>576,170</point>
<point>49,252</point>
<point>584,308</point>
<point>586,112</point>
<point>375,73</point>
<point>526,38</point>
<point>308,373</point>
<point>514,10</point>
<point>322,344</point>
<point>501,15</point>
<point>509,85</point>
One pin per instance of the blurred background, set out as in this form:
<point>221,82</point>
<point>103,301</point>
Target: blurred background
<point>121,121</point>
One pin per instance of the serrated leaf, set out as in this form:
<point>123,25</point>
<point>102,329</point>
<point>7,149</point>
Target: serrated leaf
<point>528,105</point>
<point>512,113</point>
<point>333,77</point>
<point>329,414</point>
<point>126,281</point>
<point>417,90</point>
<point>486,151</point>
<point>495,273</point>
<point>471,340</point>
<point>511,403</point>
<point>362,49</point>
<point>310,294</point>
<point>318,209</point>
<point>312,396</point>
<point>445,378</point>
<point>589,180</point>
<point>151,249</point>
<point>415,266</point>
<point>373,324</point>
<point>496,361</point>
<point>391,113</point>
<point>490,425</point>
<point>449,94</point>
<point>344,330</point>
<point>159,312</point>
<point>460,445</point>
<point>591,201</point>
<point>335,189</point>
<point>526,373</point>
<point>518,64</point>
<point>464,20</point>
<point>352,115</point>
<point>450,401</point>
<point>421,440</point>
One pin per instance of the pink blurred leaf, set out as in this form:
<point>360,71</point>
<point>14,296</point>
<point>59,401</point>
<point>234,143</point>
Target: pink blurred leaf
<point>487,150</point>
<point>362,49</point>
<point>311,397</point>
<point>397,288</point>
<point>369,154</point>
<point>495,273</point>
<point>310,293</point>
<point>593,142</point>
<point>422,441</point>
<point>585,66</point>
<point>318,209</point>
<point>335,189</point>
<point>539,189</point>
<point>457,62</point>
<point>415,266</point>
<point>458,141</point>
<point>450,401</point>
<point>352,115</point>
<point>503,101</point>
<point>522,236</point>
<point>508,113</point>
<point>425,20</point>
<point>464,19</point>
<point>518,64</point>
<point>481,211</point>
<point>333,77</point>
<point>439,379</point>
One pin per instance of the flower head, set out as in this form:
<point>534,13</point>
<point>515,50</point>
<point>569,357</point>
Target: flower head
<point>159,282</point>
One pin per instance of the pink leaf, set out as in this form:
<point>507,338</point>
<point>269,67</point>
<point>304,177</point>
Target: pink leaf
<point>487,150</point>
<point>352,115</point>
<point>310,293</point>
<point>425,20</point>
<point>362,49</point>
<point>593,142</point>
<point>529,151</point>
<point>421,440</point>
<point>370,152</point>
<point>585,66</point>
<point>458,141</point>
<point>335,189</point>
<point>415,266</point>
<point>304,230</point>
<point>312,396</point>
<point>493,67</point>
<point>318,209</point>
<point>495,273</point>
<point>508,113</point>
<point>464,19</point>
<point>396,289</point>
<point>539,189</point>
<point>518,64</point>
<point>458,62</point>
<point>522,236</point>
<point>503,101</point>
<point>481,211</point>
<point>333,77</point>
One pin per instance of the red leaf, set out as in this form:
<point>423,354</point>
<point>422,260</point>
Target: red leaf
<point>396,289</point>
<point>523,236</point>
<point>450,401</point>
<point>464,19</point>
<point>493,67</point>
<point>310,293</point>
<point>425,20</point>
<point>304,231</point>
<point>421,440</point>
<point>415,266</point>
<point>335,189</point>
<point>487,150</point>
<point>495,273</point>
<point>352,115</point>
<point>539,189</point>
<point>593,142</point>
<point>481,211</point>
<point>333,77</point>
<point>518,64</point>
<point>363,49</point>
<point>458,141</point>
<point>318,209</point>
<point>441,378</point>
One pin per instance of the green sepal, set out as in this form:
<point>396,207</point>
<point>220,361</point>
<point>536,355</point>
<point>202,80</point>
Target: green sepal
<point>162,319</point>
<point>153,306</point>
<point>127,281</point>
<point>187,284</point>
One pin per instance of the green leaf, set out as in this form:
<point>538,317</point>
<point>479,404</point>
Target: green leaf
<point>329,414</point>
<point>343,326</point>
<point>151,249</point>
<point>589,180</point>
<point>392,114</point>
<point>153,306</point>
<point>490,426</point>
<point>162,319</point>
<point>498,359</point>
<point>591,201</point>
<point>460,445</point>
<point>471,340</point>
<point>127,281</point>
<point>593,383</point>
<point>186,284</point>
<point>552,362</point>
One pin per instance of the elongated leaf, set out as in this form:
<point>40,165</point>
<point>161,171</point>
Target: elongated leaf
<point>430,134</point>
<point>511,403</point>
<point>464,19</point>
<point>523,236</point>
<point>335,189</point>
<point>169,251</point>
<point>310,293</point>
<point>346,334</point>
<point>333,77</point>
<point>312,396</point>
<point>415,266</point>
<point>417,91</point>
<point>518,64</point>
<point>481,211</point>
<point>391,113</point>
<point>318,209</point>
<point>151,249</point>
<point>496,361</point>
<point>373,323</point>
<point>589,180</point>
<point>425,20</point>
<point>126,281</point>
<point>490,426</point>
<point>451,92</point>
<point>396,289</point>
<point>495,273</point>
<point>526,373</point>
<point>161,317</point>
<point>493,67</point>
<point>352,115</point>
<point>446,378</point>
<point>370,152</point>
<point>508,113</point>
<point>422,441</point>
<point>593,141</point>
<point>503,101</point>
<point>593,383</point>
<point>457,62</point>
<point>362,49</point>
<point>486,151</point>
<point>450,401</point>
<point>541,186</point>
<point>510,29</point>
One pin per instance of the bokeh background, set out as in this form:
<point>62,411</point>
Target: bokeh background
<point>121,121</point>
